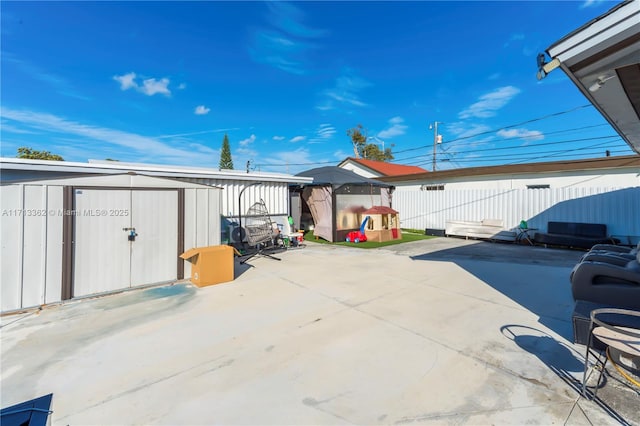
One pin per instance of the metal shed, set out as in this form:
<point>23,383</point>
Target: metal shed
<point>79,236</point>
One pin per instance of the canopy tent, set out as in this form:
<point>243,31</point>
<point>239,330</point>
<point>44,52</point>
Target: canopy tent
<point>338,197</point>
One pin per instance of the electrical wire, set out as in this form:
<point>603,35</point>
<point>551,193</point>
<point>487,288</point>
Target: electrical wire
<point>533,120</point>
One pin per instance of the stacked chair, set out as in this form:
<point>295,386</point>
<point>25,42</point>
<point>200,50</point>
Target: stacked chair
<point>608,276</point>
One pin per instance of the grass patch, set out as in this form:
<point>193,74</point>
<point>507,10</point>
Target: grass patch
<point>408,235</point>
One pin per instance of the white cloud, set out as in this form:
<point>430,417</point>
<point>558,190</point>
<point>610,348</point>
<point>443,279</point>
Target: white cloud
<point>248,141</point>
<point>182,86</point>
<point>490,103</point>
<point>297,139</point>
<point>528,135</point>
<point>139,145</point>
<point>149,87</point>
<point>396,128</point>
<point>286,42</point>
<point>345,93</point>
<point>288,161</point>
<point>201,110</point>
<point>589,3</point>
<point>326,131</point>
<point>127,81</point>
<point>201,132</point>
<point>278,138</point>
<point>465,130</point>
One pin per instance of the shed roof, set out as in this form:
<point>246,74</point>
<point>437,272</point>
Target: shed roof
<point>336,176</point>
<point>115,167</point>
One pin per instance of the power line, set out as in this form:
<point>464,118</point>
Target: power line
<point>533,120</point>
<point>473,151</point>
<point>594,148</point>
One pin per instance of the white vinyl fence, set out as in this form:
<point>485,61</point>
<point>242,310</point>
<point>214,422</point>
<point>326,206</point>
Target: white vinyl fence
<point>618,208</point>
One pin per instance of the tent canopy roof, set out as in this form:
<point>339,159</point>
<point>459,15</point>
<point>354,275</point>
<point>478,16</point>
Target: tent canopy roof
<point>337,176</point>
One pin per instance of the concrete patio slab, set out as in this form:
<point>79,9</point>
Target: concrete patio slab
<point>435,332</point>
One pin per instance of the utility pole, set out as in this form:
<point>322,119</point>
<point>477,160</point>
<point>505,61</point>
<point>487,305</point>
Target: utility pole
<point>436,140</point>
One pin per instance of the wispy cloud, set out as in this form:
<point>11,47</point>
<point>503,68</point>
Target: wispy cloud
<point>341,155</point>
<point>527,135</point>
<point>202,132</point>
<point>324,133</point>
<point>396,128</point>
<point>293,160</point>
<point>60,84</point>
<point>464,130</point>
<point>6,127</point>
<point>182,86</point>
<point>278,138</point>
<point>490,103</point>
<point>345,93</point>
<point>248,141</point>
<point>296,139</point>
<point>201,110</point>
<point>137,145</point>
<point>514,38</point>
<point>590,3</point>
<point>149,86</point>
<point>284,45</point>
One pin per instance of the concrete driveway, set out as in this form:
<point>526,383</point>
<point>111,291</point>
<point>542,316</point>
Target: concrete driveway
<point>442,331</point>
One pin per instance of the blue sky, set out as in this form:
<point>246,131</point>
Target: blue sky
<point>162,82</point>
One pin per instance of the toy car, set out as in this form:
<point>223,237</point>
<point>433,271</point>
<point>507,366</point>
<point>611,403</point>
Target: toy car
<point>358,236</point>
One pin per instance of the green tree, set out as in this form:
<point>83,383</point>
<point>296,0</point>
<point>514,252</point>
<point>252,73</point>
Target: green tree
<point>363,149</point>
<point>33,154</point>
<point>358,137</point>
<point>371,151</point>
<point>225,155</point>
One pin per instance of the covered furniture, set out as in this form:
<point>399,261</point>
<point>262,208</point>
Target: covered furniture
<point>492,229</point>
<point>574,234</point>
<point>598,284</point>
<point>610,253</point>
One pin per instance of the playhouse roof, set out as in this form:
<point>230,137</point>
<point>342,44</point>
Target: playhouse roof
<point>380,210</point>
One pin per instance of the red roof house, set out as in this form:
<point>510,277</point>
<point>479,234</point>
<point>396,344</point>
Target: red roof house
<point>373,168</point>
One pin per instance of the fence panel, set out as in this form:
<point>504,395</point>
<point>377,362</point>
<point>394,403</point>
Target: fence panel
<point>618,208</point>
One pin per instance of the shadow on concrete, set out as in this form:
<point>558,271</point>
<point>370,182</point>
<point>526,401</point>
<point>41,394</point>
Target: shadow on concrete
<point>561,359</point>
<point>536,278</point>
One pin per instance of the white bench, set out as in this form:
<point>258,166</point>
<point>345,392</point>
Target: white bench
<point>490,229</point>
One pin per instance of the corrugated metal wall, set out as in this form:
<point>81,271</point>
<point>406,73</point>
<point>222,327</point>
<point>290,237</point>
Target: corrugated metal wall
<point>618,208</point>
<point>31,226</point>
<point>274,194</point>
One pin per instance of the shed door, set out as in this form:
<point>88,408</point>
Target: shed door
<point>154,253</point>
<point>104,258</point>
